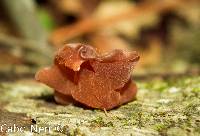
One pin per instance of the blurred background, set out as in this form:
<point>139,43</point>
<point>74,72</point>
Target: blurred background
<point>166,33</point>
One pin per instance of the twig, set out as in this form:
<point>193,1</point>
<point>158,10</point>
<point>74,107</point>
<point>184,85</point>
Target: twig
<point>105,111</point>
<point>91,24</point>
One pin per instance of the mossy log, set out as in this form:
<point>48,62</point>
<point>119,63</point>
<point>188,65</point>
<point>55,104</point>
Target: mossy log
<point>163,107</point>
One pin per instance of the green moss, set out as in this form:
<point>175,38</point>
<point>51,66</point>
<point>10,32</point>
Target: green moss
<point>99,122</point>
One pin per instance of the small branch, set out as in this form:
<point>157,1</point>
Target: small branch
<point>91,24</point>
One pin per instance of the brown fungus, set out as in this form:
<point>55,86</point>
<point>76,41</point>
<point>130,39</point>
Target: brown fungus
<point>80,74</point>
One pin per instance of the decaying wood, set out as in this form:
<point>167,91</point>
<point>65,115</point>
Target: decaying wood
<point>163,107</point>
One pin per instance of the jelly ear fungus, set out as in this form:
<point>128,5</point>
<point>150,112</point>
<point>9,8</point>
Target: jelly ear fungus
<point>80,74</point>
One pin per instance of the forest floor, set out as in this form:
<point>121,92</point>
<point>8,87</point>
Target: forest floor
<point>163,107</point>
